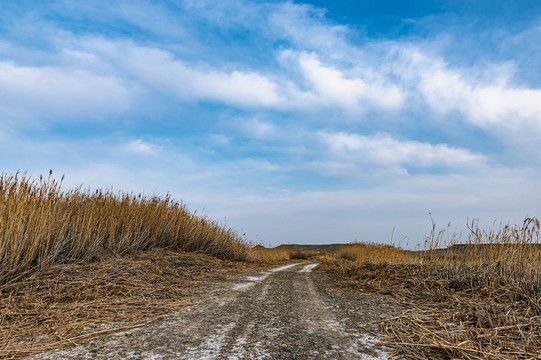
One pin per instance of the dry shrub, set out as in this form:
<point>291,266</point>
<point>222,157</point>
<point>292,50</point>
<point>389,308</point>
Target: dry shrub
<point>42,225</point>
<point>262,254</point>
<point>478,300</point>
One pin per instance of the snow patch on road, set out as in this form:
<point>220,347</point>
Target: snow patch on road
<point>243,286</point>
<point>365,348</point>
<point>258,278</point>
<point>211,347</point>
<point>308,268</point>
<point>252,280</point>
<point>285,267</point>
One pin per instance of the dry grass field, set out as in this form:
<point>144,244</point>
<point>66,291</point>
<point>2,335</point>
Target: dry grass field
<point>72,303</point>
<point>479,300</point>
<point>72,259</point>
<point>42,225</point>
<point>278,254</point>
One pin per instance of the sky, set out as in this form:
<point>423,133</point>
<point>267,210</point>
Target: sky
<point>289,121</point>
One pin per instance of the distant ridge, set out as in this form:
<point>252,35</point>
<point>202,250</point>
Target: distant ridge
<point>307,247</point>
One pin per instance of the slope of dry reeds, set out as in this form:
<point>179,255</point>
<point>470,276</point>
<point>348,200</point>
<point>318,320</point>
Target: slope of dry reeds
<point>374,253</point>
<point>478,300</point>
<point>263,254</point>
<point>42,225</point>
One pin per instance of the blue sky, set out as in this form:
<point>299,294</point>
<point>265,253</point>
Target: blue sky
<point>292,122</point>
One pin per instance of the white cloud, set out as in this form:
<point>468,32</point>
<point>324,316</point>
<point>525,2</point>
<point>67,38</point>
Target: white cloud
<point>305,25</point>
<point>244,88</point>
<point>141,147</point>
<point>383,150</point>
<point>505,107</point>
<point>259,129</point>
<point>384,75</point>
<point>493,104</point>
<point>63,93</point>
<point>161,71</point>
<point>259,165</point>
<point>220,139</point>
<point>334,87</point>
<point>484,105</point>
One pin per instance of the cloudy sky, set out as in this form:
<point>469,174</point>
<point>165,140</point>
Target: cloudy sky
<point>292,122</point>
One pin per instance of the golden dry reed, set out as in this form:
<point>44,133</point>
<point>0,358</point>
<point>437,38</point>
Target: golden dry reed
<point>473,300</point>
<point>269,255</point>
<point>512,253</point>
<point>374,253</point>
<point>41,224</point>
<point>506,251</point>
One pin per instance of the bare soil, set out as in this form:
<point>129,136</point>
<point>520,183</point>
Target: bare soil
<point>290,312</point>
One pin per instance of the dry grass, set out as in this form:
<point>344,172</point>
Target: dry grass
<point>479,300</point>
<point>304,254</point>
<point>73,260</point>
<point>262,254</point>
<point>42,225</point>
<point>374,253</point>
<point>71,303</point>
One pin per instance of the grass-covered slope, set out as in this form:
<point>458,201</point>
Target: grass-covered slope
<point>41,225</point>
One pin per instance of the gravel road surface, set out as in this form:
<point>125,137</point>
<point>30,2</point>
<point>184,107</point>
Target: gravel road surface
<point>289,312</point>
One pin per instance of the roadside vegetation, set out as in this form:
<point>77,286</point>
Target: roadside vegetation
<point>480,299</point>
<point>73,259</point>
<point>42,225</point>
<point>263,254</point>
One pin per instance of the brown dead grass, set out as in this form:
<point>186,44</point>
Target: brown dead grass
<point>261,254</point>
<point>480,301</point>
<point>71,303</point>
<point>304,254</point>
<point>375,253</point>
<point>73,260</point>
<point>42,225</point>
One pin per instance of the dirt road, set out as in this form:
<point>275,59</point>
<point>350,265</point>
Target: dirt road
<point>289,312</point>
